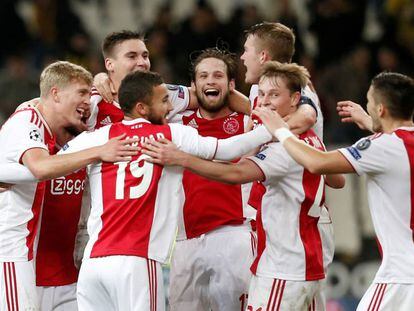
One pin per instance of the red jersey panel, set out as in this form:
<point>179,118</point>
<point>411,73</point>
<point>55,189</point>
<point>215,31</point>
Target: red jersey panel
<point>61,211</point>
<point>211,204</point>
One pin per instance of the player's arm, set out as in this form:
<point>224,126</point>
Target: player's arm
<point>302,119</point>
<point>44,166</point>
<point>314,160</point>
<point>336,181</point>
<point>239,102</point>
<point>14,173</point>
<point>105,87</point>
<point>164,152</point>
<point>352,112</point>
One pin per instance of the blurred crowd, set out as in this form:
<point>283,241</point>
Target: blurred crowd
<point>343,43</point>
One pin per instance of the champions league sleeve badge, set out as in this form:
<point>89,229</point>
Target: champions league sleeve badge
<point>363,144</point>
<point>35,135</point>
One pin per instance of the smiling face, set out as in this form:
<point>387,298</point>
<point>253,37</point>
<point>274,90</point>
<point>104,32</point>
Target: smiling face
<point>275,95</point>
<point>212,84</point>
<point>251,59</point>
<point>127,56</point>
<point>72,105</point>
<point>160,105</point>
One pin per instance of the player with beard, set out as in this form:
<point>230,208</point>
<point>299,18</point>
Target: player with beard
<point>28,137</point>
<point>215,243</point>
<point>135,204</point>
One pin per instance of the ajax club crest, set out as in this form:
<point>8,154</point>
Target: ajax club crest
<point>231,125</point>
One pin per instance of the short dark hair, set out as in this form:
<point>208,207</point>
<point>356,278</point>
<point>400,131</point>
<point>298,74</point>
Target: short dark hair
<point>396,92</point>
<point>137,87</point>
<point>277,39</point>
<point>221,54</point>
<point>116,38</point>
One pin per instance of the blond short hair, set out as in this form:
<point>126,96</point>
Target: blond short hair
<point>62,73</point>
<point>295,76</point>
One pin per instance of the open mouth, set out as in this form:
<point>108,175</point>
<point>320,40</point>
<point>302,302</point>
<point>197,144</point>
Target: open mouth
<point>83,117</point>
<point>211,93</point>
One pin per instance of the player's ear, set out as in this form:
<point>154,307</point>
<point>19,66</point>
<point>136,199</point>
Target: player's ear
<point>264,56</point>
<point>381,109</point>
<point>54,93</point>
<point>141,108</point>
<point>232,85</point>
<point>109,65</point>
<point>294,99</point>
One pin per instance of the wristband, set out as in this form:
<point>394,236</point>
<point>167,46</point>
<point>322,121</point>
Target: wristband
<point>282,134</point>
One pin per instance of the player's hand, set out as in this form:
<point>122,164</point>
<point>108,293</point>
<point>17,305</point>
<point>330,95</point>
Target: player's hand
<point>271,119</point>
<point>29,104</point>
<point>352,112</point>
<point>4,187</point>
<point>118,149</point>
<point>105,87</point>
<point>163,152</point>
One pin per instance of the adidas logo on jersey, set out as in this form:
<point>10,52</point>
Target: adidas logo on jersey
<point>193,124</point>
<point>106,121</point>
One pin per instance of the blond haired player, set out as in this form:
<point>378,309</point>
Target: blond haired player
<point>27,138</point>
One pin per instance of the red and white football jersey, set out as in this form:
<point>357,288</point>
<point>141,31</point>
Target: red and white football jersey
<point>135,204</point>
<point>20,206</point>
<point>289,244</point>
<point>104,113</point>
<point>210,204</point>
<point>59,225</point>
<point>388,162</point>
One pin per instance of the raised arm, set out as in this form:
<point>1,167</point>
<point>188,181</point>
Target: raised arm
<point>312,159</point>
<point>302,119</point>
<point>105,86</point>
<point>352,112</point>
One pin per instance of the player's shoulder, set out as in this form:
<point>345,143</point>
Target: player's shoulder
<point>23,116</point>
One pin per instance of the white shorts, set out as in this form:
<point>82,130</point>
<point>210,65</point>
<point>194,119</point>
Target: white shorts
<point>212,272</point>
<point>275,294</point>
<point>328,249</point>
<point>18,286</point>
<point>384,297</point>
<point>58,298</point>
<point>120,283</point>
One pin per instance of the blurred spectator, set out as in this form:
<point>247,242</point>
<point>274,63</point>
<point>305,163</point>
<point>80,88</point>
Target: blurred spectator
<point>338,26</point>
<point>17,84</point>
<point>347,80</point>
<point>201,30</point>
<point>13,30</point>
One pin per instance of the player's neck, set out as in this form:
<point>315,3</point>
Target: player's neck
<point>223,112</point>
<point>48,115</point>
<point>390,125</point>
<point>117,83</point>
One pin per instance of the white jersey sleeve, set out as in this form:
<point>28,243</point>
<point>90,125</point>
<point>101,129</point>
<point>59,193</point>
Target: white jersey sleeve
<point>20,133</point>
<point>368,155</point>
<point>187,139</point>
<point>179,97</point>
<point>15,173</point>
<point>273,160</point>
<point>86,140</point>
<point>237,146</point>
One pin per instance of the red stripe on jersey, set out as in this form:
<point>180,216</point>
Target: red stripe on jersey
<point>408,139</point>
<point>33,223</point>
<point>261,240</point>
<point>373,297</point>
<point>7,285</point>
<point>308,225</point>
<point>256,194</point>
<point>15,299</point>
<point>129,192</point>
